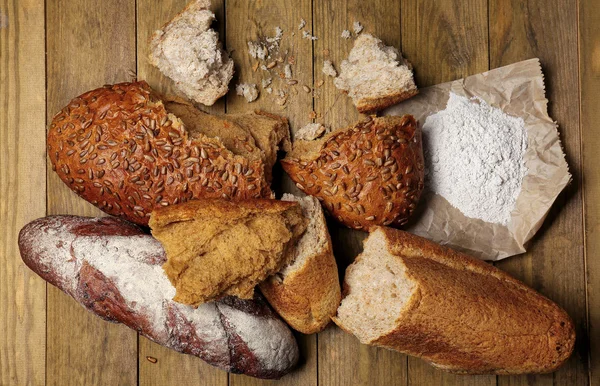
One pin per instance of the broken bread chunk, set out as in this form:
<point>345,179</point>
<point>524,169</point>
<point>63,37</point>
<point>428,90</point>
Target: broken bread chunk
<point>375,76</point>
<point>189,52</point>
<point>217,247</point>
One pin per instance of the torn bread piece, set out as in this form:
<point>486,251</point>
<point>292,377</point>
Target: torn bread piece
<point>218,247</point>
<point>306,293</point>
<point>375,76</point>
<point>311,132</point>
<point>460,314</point>
<point>189,52</point>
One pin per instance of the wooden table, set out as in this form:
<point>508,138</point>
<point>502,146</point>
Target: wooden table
<point>52,51</point>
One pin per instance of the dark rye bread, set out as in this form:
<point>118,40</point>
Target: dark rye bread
<point>114,270</point>
<point>460,314</point>
<point>365,175</point>
<point>120,149</point>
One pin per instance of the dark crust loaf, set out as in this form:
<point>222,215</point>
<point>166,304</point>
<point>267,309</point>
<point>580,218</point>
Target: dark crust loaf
<point>366,175</point>
<point>242,336</point>
<point>118,148</point>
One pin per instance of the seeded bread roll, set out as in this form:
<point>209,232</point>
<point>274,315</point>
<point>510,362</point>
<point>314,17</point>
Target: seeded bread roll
<point>462,315</point>
<point>306,293</point>
<point>119,148</point>
<point>365,175</point>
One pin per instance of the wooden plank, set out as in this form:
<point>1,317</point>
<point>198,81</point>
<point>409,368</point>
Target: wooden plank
<point>247,21</point>
<point>589,67</point>
<point>171,367</point>
<point>554,264</point>
<point>342,359</point>
<point>89,44</point>
<point>22,188</point>
<point>452,44</point>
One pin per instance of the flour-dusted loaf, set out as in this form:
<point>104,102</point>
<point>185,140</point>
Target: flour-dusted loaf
<point>375,76</point>
<point>189,52</point>
<point>368,174</point>
<point>460,314</point>
<point>113,269</point>
<point>121,148</point>
<point>306,292</point>
<point>217,247</point>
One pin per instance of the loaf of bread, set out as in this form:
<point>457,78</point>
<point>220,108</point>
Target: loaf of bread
<point>121,148</point>
<point>460,314</point>
<point>375,76</point>
<point>366,175</point>
<point>189,52</point>
<point>114,270</point>
<point>306,293</point>
<point>217,247</point>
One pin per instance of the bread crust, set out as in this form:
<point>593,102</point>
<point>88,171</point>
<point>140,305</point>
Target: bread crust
<point>466,316</point>
<point>373,105</point>
<point>366,175</point>
<point>118,148</point>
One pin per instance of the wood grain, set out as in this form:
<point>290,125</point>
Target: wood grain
<point>452,44</point>
<point>250,21</point>
<point>342,359</point>
<point>554,264</point>
<point>171,366</point>
<point>589,67</point>
<point>89,44</point>
<point>22,189</point>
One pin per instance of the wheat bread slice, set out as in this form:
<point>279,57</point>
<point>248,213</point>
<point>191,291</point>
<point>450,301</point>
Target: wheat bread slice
<point>306,293</point>
<point>460,314</point>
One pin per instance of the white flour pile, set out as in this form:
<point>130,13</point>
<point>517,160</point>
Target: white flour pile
<point>474,157</point>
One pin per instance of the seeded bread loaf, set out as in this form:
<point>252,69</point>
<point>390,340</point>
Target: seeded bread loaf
<point>375,76</point>
<point>460,314</point>
<point>114,270</point>
<point>120,148</point>
<point>306,293</point>
<point>365,175</point>
<point>217,247</point>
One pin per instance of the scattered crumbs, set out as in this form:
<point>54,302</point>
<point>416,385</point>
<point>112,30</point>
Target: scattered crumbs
<point>306,88</point>
<point>266,82</point>
<point>151,359</point>
<point>277,37</point>
<point>263,67</point>
<point>346,34</point>
<point>288,71</point>
<point>312,115</point>
<point>319,83</point>
<point>248,91</point>
<point>292,60</point>
<point>302,24</point>
<point>281,97</point>
<point>255,67</point>
<point>357,27</point>
<point>272,64</point>
<point>269,90</point>
<point>307,35</point>
<point>257,50</point>
<point>311,132</point>
<point>328,69</point>
<point>293,34</point>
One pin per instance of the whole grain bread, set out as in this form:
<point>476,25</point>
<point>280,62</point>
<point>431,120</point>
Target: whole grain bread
<point>217,247</point>
<point>365,175</point>
<point>375,76</point>
<point>114,270</point>
<point>306,292</point>
<point>119,148</point>
<point>460,314</point>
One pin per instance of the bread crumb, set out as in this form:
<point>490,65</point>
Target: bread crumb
<point>325,52</point>
<point>319,83</point>
<point>263,67</point>
<point>266,82</point>
<point>257,51</point>
<point>357,27</point>
<point>288,71</point>
<point>328,69</point>
<point>269,90</point>
<point>248,91</point>
<point>312,114</point>
<point>346,34</point>
<point>255,66</point>
<point>306,88</point>
<point>311,132</point>
<point>302,24</point>
<point>307,35</point>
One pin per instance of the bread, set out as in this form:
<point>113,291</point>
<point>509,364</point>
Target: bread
<point>114,270</point>
<point>121,149</point>
<point>306,293</point>
<point>460,314</point>
<point>188,51</point>
<point>219,247</point>
<point>310,132</point>
<point>367,174</point>
<point>375,76</point>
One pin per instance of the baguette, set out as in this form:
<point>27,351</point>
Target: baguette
<point>114,270</point>
<point>460,314</point>
<point>365,175</point>
<point>306,293</point>
<point>120,148</point>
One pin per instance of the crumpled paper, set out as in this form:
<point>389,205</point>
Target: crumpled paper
<point>518,89</point>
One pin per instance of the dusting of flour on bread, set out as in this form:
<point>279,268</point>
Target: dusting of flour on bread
<point>474,157</point>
